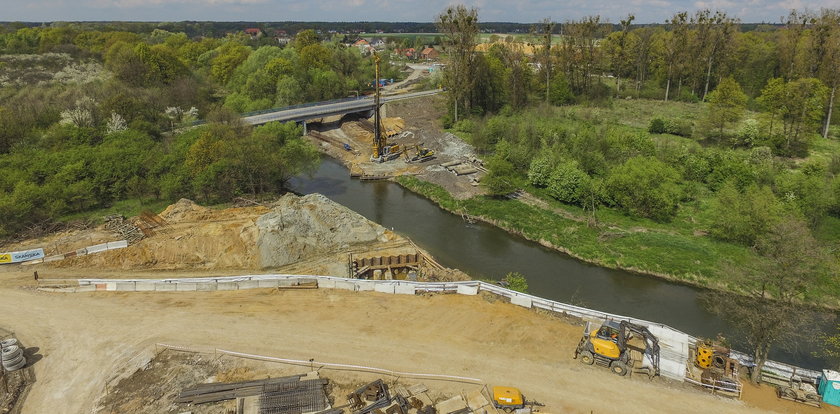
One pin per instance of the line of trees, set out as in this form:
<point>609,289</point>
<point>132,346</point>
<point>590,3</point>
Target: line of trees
<point>685,59</point>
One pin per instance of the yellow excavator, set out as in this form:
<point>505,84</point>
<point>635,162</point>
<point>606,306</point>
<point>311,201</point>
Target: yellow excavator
<point>421,154</point>
<point>382,151</point>
<point>608,347</point>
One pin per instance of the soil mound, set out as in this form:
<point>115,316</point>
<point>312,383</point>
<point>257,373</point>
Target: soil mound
<point>185,210</point>
<point>303,227</point>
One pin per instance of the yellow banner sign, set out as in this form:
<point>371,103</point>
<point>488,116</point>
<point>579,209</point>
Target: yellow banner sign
<point>5,258</point>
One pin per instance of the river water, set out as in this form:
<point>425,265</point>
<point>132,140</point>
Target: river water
<point>486,252</point>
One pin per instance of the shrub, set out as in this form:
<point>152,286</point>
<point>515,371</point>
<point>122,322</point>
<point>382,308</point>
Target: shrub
<point>464,125</point>
<point>516,281</point>
<point>657,126</point>
<point>540,171</point>
<point>566,182</point>
<point>645,187</point>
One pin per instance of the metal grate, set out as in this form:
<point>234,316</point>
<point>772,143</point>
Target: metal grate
<point>293,400</point>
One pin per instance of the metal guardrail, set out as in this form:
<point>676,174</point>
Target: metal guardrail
<point>775,367</point>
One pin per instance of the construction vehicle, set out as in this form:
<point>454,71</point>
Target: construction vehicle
<point>710,366</point>
<point>421,154</point>
<point>610,346</point>
<point>382,151</point>
<point>508,398</point>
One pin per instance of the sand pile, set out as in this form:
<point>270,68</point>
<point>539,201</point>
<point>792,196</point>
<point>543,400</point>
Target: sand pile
<point>185,210</point>
<point>304,227</point>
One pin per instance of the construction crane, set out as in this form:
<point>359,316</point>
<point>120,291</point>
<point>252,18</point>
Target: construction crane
<point>382,151</point>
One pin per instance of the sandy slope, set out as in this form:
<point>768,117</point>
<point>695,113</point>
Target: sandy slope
<point>85,338</point>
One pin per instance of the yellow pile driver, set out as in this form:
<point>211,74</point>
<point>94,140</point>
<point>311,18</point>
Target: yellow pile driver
<point>382,151</point>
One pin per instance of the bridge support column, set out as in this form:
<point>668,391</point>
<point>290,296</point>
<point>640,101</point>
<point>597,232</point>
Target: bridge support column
<point>384,110</point>
<point>304,128</point>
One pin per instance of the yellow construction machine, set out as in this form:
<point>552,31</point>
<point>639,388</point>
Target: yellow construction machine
<point>508,398</point>
<point>382,151</point>
<point>421,154</point>
<point>710,366</point>
<point>608,347</point>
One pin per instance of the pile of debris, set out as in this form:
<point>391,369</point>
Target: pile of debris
<point>126,229</point>
<point>376,398</point>
<point>296,394</point>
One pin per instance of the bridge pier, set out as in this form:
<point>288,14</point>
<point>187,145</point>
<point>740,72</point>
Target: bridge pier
<point>304,128</point>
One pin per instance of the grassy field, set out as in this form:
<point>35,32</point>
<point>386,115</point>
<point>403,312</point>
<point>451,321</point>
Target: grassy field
<point>127,208</point>
<point>672,252</point>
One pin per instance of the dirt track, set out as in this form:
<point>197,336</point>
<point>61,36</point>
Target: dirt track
<point>85,338</point>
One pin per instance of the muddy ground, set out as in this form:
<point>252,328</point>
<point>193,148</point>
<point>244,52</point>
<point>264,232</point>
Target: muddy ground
<point>153,388</point>
<point>88,338</point>
<point>422,128</point>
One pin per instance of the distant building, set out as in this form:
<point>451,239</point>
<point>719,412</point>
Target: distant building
<point>429,53</point>
<point>253,32</point>
<point>377,43</point>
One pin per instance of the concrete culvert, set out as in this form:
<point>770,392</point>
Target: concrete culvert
<point>9,356</point>
<point>13,361</point>
<point>17,366</point>
<point>7,350</point>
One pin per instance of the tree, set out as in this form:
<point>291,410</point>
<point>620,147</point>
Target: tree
<point>727,104</point>
<point>799,104</point>
<point>547,32</point>
<point>566,182</point>
<point>460,26</point>
<point>501,177</point>
<point>744,217</point>
<point>674,45</point>
<point>619,48</point>
<point>645,187</point>
<point>826,51</point>
<point>766,308</point>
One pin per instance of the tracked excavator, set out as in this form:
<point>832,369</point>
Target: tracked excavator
<point>623,347</point>
<point>382,151</point>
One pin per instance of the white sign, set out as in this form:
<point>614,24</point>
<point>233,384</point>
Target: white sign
<point>17,257</point>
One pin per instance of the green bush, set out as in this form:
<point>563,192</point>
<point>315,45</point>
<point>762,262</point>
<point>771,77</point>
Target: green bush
<point>540,171</point>
<point>645,187</point>
<point>464,125</point>
<point>566,181</point>
<point>516,281</point>
<point>656,126</point>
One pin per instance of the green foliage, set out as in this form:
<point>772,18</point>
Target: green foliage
<point>743,217</point>
<point>501,179</point>
<point>727,104</point>
<point>670,126</point>
<point>645,187</point>
<point>539,174</point>
<point>516,281</point>
<point>567,182</point>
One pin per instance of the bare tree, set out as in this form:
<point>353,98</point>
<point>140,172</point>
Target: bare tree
<point>674,46</point>
<point>460,26</point>
<point>768,310</point>
<point>546,30</point>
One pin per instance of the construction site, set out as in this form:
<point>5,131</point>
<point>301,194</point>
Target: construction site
<point>302,306</point>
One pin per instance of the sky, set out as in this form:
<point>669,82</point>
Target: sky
<point>527,11</point>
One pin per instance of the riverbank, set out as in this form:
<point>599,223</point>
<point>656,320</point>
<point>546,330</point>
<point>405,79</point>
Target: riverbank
<point>669,256</point>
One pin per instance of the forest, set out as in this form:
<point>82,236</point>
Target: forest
<point>89,118</point>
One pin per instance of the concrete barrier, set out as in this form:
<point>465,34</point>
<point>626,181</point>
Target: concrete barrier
<point>467,290</point>
<point>365,285</point>
<point>267,283</point>
<point>384,288</point>
<point>144,287</point>
<point>248,284</point>
<point>166,287</point>
<point>110,286</point>
<point>206,286</point>
<point>185,287</point>
<point>86,288</point>
<point>521,301</point>
<point>327,284</point>
<point>286,282</point>
<point>340,284</point>
<point>226,286</point>
<point>402,289</point>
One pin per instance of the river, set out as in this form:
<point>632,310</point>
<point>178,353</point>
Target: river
<point>487,252</point>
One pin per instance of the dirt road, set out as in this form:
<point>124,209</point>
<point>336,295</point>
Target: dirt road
<point>85,338</point>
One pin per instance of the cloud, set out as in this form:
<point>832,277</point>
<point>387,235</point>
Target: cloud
<point>143,3</point>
